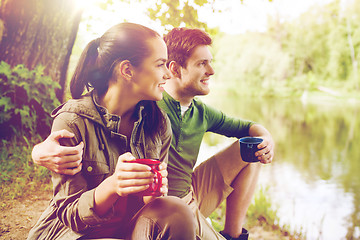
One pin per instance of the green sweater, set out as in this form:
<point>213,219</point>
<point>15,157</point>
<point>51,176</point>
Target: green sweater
<point>188,131</point>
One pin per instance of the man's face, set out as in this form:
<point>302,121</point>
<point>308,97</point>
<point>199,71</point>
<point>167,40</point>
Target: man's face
<point>196,75</point>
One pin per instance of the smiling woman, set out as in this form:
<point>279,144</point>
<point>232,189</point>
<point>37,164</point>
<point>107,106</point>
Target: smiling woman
<point>118,121</point>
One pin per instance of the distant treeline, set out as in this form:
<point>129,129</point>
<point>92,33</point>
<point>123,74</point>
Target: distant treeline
<point>319,51</point>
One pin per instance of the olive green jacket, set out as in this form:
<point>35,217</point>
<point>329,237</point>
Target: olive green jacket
<point>71,211</point>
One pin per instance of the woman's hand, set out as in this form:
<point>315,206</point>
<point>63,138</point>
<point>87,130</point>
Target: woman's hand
<point>164,174</point>
<point>164,187</point>
<point>130,177</point>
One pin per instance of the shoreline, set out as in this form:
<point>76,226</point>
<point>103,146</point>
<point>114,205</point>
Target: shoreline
<point>18,215</point>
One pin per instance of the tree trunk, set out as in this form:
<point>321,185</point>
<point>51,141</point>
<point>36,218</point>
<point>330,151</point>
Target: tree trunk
<point>39,32</point>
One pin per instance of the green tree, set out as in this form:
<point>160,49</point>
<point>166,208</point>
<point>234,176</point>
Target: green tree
<point>37,32</point>
<point>175,13</point>
<point>34,32</point>
<point>325,44</point>
<point>318,51</point>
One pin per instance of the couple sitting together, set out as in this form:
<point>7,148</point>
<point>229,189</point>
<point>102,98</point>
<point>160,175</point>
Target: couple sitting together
<point>139,104</point>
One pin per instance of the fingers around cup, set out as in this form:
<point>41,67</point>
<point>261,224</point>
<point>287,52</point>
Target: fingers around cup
<point>155,187</point>
<point>248,148</point>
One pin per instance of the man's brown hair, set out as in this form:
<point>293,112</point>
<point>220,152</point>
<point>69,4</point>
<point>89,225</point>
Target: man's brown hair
<point>182,41</point>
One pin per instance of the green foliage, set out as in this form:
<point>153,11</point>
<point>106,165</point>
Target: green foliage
<point>18,174</point>
<point>318,49</point>
<point>217,217</point>
<point>175,13</point>
<point>26,99</point>
<point>260,213</point>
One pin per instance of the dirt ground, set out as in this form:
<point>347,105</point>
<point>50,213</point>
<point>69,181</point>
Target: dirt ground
<point>19,215</point>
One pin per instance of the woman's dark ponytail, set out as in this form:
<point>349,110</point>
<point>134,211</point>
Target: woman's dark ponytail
<point>125,41</point>
<point>85,69</point>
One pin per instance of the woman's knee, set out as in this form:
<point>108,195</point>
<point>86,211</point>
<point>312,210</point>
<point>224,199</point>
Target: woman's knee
<point>174,209</point>
<point>171,217</point>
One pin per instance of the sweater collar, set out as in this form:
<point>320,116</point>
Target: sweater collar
<point>168,98</point>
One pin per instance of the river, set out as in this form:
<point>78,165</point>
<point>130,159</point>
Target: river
<point>314,180</point>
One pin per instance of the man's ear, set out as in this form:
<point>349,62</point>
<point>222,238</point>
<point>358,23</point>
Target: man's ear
<point>175,68</point>
<point>126,70</point>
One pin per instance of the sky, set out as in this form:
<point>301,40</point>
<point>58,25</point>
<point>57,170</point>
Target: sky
<point>252,15</point>
<point>234,17</point>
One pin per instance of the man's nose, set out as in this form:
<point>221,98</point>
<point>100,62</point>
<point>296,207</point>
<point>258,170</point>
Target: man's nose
<point>210,71</point>
<point>167,74</point>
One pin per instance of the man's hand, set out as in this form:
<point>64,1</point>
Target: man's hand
<point>267,146</point>
<point>57,158</point>
<point>266,154</point>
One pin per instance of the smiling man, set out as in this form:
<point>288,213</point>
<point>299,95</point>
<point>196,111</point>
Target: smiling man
<point>223,176</point>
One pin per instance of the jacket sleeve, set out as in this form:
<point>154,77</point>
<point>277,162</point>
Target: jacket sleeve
<point>73,199</point>
<point>166,135</point>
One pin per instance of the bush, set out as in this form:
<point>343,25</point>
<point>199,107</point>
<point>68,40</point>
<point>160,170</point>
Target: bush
<point>18,174</point>
<point>26,99</point>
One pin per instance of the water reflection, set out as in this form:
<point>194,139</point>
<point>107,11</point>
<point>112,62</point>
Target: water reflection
<point>315,177</point>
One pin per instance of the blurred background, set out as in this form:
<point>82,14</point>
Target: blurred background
<point>290,65</point>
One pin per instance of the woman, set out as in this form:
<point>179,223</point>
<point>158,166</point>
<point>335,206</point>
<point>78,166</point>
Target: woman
<point>118,121</point>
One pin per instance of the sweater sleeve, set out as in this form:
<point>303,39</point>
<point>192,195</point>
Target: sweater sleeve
<point>220,123</point>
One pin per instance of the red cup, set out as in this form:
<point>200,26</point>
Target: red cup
<point>154,188</point>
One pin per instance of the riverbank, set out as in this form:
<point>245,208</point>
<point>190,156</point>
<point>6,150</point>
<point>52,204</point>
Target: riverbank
<point>17,216</point>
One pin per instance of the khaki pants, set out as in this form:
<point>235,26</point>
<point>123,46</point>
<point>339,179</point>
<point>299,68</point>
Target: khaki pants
<point>162,219</point>
<point>211,185</point>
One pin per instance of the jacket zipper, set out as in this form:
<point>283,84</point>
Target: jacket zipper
<point>133,140</point>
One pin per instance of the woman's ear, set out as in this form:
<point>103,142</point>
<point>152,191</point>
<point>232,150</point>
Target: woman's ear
<point>174,68</point>
<point>126,70</point>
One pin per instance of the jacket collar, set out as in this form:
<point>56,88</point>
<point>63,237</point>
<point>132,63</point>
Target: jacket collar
<point>87,106</point>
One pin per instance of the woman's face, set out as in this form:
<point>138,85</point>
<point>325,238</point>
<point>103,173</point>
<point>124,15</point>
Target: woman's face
<point>149,78</point>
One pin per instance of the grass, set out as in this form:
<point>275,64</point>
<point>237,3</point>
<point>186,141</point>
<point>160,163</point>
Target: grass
<point>261,213</point>
<point>18,174</point>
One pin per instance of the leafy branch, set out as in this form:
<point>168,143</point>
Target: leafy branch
<point>27,98</point>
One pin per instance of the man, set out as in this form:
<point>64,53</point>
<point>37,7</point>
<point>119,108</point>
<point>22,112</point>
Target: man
<point>224,175</point>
